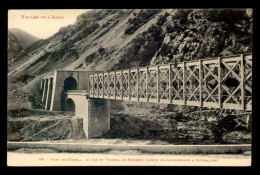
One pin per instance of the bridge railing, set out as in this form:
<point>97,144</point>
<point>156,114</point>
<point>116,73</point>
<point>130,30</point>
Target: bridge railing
<point>219,83</point>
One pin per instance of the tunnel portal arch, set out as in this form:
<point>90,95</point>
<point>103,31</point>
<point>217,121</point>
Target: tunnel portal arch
<point>70,105</point>
<point>70,83</point>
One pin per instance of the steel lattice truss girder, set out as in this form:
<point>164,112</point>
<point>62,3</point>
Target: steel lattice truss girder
<point>199,83</point>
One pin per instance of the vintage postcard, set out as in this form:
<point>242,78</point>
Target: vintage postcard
<point>129,87</point>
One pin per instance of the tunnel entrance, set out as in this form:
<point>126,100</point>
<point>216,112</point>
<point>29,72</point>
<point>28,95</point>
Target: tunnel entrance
<point>70,105</point>
<point>70,84</point>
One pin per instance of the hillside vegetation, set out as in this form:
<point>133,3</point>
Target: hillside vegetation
<point>115,39</point>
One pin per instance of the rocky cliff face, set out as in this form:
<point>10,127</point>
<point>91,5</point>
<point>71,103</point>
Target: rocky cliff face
<point>30,125</point>
<point>195,34</point>
<point>178,124</point>
<point>116,39</point>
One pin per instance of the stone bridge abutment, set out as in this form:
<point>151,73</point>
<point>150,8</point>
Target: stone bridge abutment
<point>67,91</point>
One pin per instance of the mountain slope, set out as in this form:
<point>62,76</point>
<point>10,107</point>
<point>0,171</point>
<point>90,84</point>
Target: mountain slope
<point>13,44</point>
<point>14,49</point>
<point>18,41</point>
<point>25,39</point>
<point>116,39</point>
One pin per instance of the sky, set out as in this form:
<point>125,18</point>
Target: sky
<point>42,23</point>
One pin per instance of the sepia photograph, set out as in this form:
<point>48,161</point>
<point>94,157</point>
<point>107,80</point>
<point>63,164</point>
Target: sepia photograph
<point>129,87</point>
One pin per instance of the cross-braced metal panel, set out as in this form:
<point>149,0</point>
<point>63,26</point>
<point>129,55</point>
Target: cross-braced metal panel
<point>106,85</point>
<point>210,83</point>
<point>125,85</point>
<point>231,83</point>
<point>164,84</point>
<point>192,83</point>
<point>134,85</point>
<point>153,84</point>
<point>100,86</point>
<point>111,84</point>
<point>142,84</point>
<point>91,85</point>
<point>95,86</point>
<point>177,84</point>
<point>248,81</point>
<point>118,85</point>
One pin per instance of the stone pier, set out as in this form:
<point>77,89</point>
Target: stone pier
<point>98,117</point>
<point>68,90</point>
<point>95,113</point>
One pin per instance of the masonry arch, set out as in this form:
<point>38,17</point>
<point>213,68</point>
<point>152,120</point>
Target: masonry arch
<point>70,83</point>
<point>70,105</point>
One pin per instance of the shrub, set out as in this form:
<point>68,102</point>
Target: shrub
<point>162,19</point>
<point>224,125</point>
<point>181,14</point>
<point>94,26</point>
<point>35,102</point>
<point>229,16</point>
<point>130,21</point>
<point>101,49</point>
<point>141,18</point>
<point>129,30</point>
<point>89,29</point>
<point>40,59</point>
<point>85,32</point>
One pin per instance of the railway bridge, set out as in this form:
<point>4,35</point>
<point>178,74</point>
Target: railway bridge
<point>223,82</point>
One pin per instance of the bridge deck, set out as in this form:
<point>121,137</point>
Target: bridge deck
<point>218,83</point>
